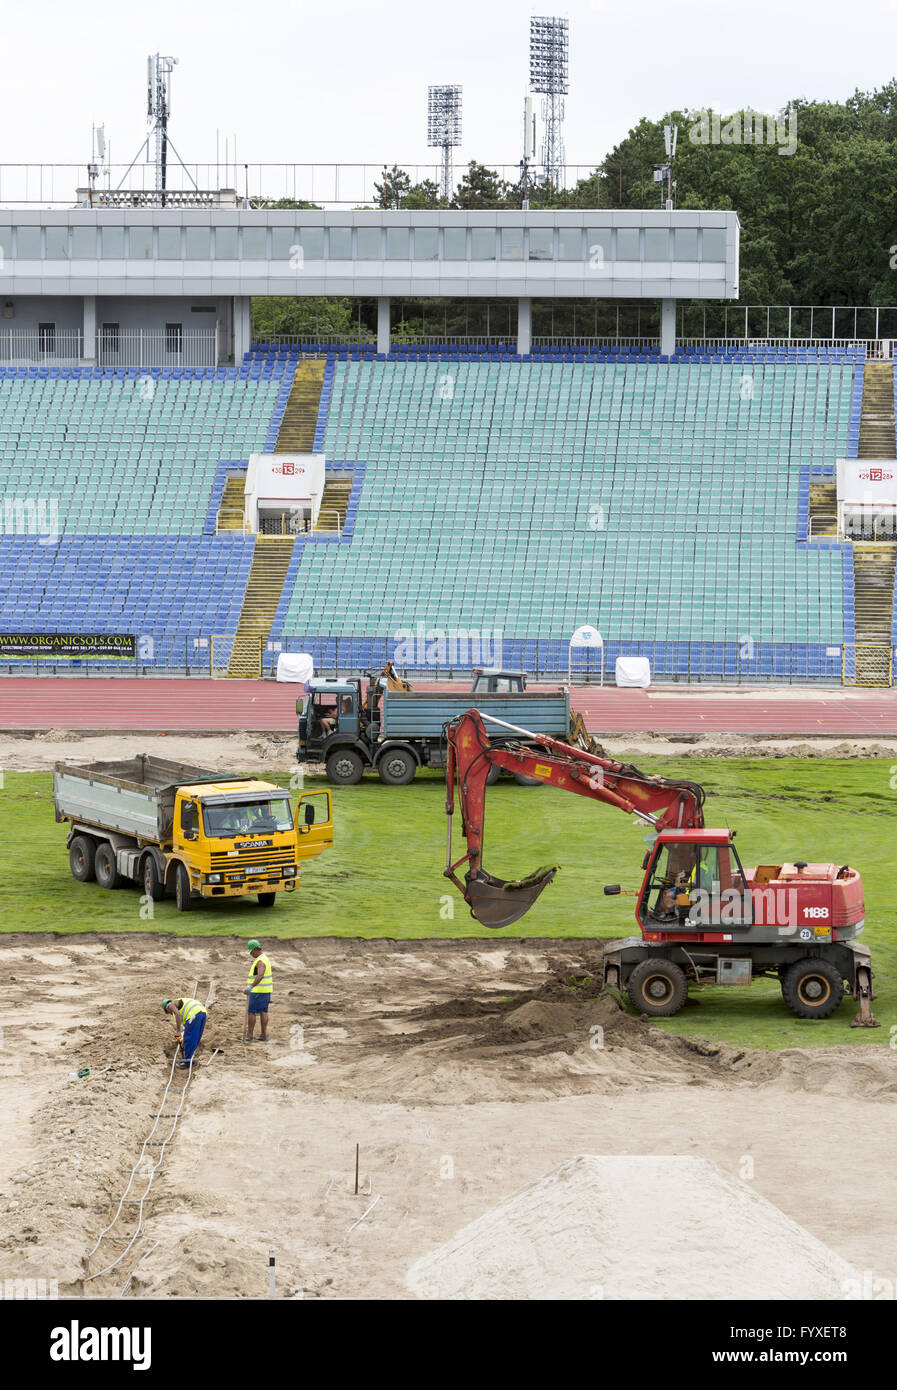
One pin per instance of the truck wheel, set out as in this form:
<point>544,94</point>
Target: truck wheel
<point>106,868</point>
<point>345,767</point>
<point>182,889</point>
<point>812,988</point>
<point>266,899</point>
<point>523,781</point>
<point>493,775</point>
<point>153,885</point>
<point>397,768</point>
<point>82,853</point>
<point>658,987</point>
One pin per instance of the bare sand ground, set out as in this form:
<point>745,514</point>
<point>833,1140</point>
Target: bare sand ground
<point>225,752</point>
<point>463,1072</point>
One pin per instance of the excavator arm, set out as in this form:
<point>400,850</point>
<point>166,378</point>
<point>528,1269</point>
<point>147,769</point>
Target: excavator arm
<point>663,802</point>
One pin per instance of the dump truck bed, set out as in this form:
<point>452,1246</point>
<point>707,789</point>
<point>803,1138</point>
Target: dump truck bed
<point>133,796</point>
<point>422,714</point>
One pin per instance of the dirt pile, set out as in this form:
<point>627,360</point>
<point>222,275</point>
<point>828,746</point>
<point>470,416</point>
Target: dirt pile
<point>633,1228</point>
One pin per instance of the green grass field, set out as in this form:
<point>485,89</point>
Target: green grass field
<point>383,878</point>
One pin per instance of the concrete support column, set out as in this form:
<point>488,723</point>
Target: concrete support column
<point>524,326</point>
<point>667,327</point>
<point>383,323</point>
<point>89,330</point>
<point>242,327</point>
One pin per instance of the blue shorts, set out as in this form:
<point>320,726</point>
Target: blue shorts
<point>258,1002</point>
<point>192,1034</point>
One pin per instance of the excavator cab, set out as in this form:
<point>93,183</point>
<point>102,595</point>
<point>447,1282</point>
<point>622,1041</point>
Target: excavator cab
<point>694,882</point>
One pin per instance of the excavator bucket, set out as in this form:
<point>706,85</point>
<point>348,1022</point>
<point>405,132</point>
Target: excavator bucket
<point>497,902</point>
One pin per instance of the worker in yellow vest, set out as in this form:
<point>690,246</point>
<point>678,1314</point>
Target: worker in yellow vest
<point>189,1020</point>
<point>257,991</point>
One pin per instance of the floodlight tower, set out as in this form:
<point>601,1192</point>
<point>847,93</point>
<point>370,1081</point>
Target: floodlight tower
<point>549,53</point>
<point>444,128</point>
<point>158,109</point>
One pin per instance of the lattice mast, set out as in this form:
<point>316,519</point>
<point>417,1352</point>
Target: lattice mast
<point>549,75</point>
<point>444,128</point>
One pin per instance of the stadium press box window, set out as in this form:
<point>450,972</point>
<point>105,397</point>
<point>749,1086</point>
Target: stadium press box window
<point>140,243</point>
<point>512,243</point>
<point>541,243</point>
<point>482,244</point>
<point>714,244</point>
<point>627,244</point>
<point>255,243</point>
<point>454,245</point>
<point>367,244</point>
<point>398,244</point>
<point>598,245</point>
<point>426,243</point>
<point>57,244</point>
<point>685,244</point>
<point>112,243</point>
<point>198,243</point>
<point>283,239</point>
<point>340,243</point>
<point>84,243</point>
<point>657,244</point>
<point>570,243</point>
<point>311,239</point>
<point>28,243</point>
<point>226,248</point>
<point>169,243</point>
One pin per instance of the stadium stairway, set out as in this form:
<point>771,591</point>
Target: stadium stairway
<point>823,510</point>
<point>877,439</point>
<point>297,428</point>
<point>270,562</point>
<point>272,555</point>
<point>334,506</point>
<point>230,512</point>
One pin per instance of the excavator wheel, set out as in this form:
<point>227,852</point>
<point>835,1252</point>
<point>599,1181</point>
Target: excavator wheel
<point>658,987</point>
<point>812,988</point>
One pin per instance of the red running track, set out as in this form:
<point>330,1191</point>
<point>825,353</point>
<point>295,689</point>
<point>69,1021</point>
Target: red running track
<point>157,705</point>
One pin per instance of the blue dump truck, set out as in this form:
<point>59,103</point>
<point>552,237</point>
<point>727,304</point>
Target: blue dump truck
<point>351,725</point>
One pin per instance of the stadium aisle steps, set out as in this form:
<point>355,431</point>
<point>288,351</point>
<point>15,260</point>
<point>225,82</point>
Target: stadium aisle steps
<point>297,428</point>
<point>877,440</point>
<point>270,562</point>
<point>334,505</point>
<point>823,510</point>
<point>230,513</point>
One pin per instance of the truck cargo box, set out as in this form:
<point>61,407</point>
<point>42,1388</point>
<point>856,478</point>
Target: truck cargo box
<point>134,796</point>
<point>422,714</point>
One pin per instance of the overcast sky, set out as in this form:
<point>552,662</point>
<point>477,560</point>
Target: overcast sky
<point>346,80</point>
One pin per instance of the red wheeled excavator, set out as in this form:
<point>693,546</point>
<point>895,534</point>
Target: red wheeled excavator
<point>703,918</point>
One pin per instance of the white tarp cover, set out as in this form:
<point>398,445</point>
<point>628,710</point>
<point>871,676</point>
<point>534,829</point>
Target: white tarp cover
<point>633,671</point>
<point>295,666</point>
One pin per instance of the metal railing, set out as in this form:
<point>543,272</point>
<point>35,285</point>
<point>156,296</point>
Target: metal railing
<point>140,347</point>
<point>546,660</point>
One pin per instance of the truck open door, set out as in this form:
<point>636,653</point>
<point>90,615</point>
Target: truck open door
<point>314,821</point>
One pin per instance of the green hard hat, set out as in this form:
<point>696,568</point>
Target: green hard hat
<point>165,1003</point>
<point>254,945</point>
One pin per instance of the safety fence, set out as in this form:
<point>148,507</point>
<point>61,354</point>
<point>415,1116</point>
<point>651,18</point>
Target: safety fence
<point>440,655</point>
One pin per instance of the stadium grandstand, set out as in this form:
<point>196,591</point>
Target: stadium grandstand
<point>720,507</point>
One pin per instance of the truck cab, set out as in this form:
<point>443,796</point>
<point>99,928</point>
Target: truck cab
<point>496,680</point>
<point>330,707</point>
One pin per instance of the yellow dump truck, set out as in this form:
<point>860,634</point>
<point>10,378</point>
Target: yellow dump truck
<point>168,826</point>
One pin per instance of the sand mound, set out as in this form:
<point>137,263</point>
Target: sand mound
<point>633,1228</point>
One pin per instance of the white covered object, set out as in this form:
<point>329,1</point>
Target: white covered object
<point>633,671</point>
<point>295,666</point>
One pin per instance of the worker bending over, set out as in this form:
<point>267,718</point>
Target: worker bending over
<point>258,991</point>
<point>189,1020</point>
